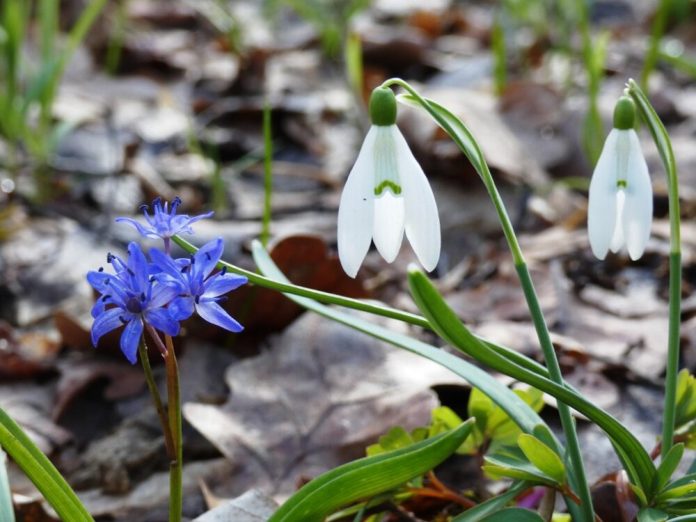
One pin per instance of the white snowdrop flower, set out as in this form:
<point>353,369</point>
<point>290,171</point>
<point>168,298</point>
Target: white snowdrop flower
<point>386,194</point>
<point>620,204</point>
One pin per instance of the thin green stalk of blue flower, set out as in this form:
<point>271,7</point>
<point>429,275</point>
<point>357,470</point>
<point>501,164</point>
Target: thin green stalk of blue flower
<point>664,146</point>
<point>267,174</point>
<point>357,304</point>
<point>479,163</point>
<point>156,398</point>
<point>176,466</point>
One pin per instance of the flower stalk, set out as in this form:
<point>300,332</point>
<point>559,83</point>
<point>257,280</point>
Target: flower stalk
<point>175,425</point>
<point>472,149</point>
<point>664,146</point>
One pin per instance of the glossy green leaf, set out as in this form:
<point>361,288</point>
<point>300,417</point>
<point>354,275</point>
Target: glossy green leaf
<point>41,471</point>
<point>516,514</point>
<point>669,465</point>
<point>651,515</point>
<point>543,457</point>
<point>492,505</point>
<point>445,322</point>
<point>513,463</point>
<point>367,477</point>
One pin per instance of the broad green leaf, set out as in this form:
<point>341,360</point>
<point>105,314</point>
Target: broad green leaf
<point>445,322</point>
<point>543,457</point>
<point>679,491</point>
<point>512,462</point>
<point>669,465</point>
<point>367,477</point>
<point>516,514</point>
<point>41,471</point>
<point>490,506</point>
<point>651,515</point>
<point>544,434</point>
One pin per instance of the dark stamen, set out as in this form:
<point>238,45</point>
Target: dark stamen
<point>142,296</point>
<point>223,271</point>
<point>207,256</point>
<point>101,269</point>
<point>122,319</point>
<point>197,299</point>
<point>144,207</point>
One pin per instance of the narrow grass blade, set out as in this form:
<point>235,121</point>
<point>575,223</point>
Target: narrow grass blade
<point>6,510</point>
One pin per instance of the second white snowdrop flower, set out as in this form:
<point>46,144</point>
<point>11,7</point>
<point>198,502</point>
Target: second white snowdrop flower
<point>386,194</point>
<point>620,204</point>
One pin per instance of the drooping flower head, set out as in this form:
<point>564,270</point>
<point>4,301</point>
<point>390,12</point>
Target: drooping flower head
<point>164,222</point>
<point>197,289</point>
<point>132,298</point>
<point>386,193</point>
<point>620,199</point>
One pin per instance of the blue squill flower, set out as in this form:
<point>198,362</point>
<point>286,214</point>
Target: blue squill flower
<point>198,290</point>
<point>132,298</point>
<point>164,222</point>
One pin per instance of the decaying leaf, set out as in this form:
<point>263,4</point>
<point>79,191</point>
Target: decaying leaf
<point>314,399</point>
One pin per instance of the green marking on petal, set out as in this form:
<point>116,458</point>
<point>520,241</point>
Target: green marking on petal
<point>387,184</point>
<point>621,183</point>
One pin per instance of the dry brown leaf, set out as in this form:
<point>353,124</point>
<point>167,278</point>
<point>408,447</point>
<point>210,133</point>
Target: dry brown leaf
<point>315,398</point>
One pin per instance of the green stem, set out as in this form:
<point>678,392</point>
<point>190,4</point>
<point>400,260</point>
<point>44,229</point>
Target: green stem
<point>530,294</point>
<point>556,376</point>
<point>664,146</point>
<point>157,399</point>
<point>175,425</point>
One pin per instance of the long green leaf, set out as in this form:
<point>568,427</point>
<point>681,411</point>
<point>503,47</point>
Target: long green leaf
<point>633,456</point>
<point>369,476</point>
<point>41,471</point>
<point>490,506</point>
<point>516,514</point>
<point>281,284</point>
<point>518,410</point>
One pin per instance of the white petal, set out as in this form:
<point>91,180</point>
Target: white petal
<point>638,210</point>
<point>355,210</point>
<point>601,211</point>
<point>618,240</point>
<point>422,219</point>
<point>388,224</point>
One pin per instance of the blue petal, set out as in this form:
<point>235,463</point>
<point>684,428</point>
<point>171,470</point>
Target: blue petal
<point>162,294</point>
<point>130,338</point>
<point>220,284</point>
<point>143,231</point>
<point>215,314</point>
<point>164,261</point>
<point>206,258</point>
<point>98,279</point>
<point>138,264</point>
<point>183,222</point>
<point>181,308</point>
<point>105,322</point>
<point>162,320</point>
